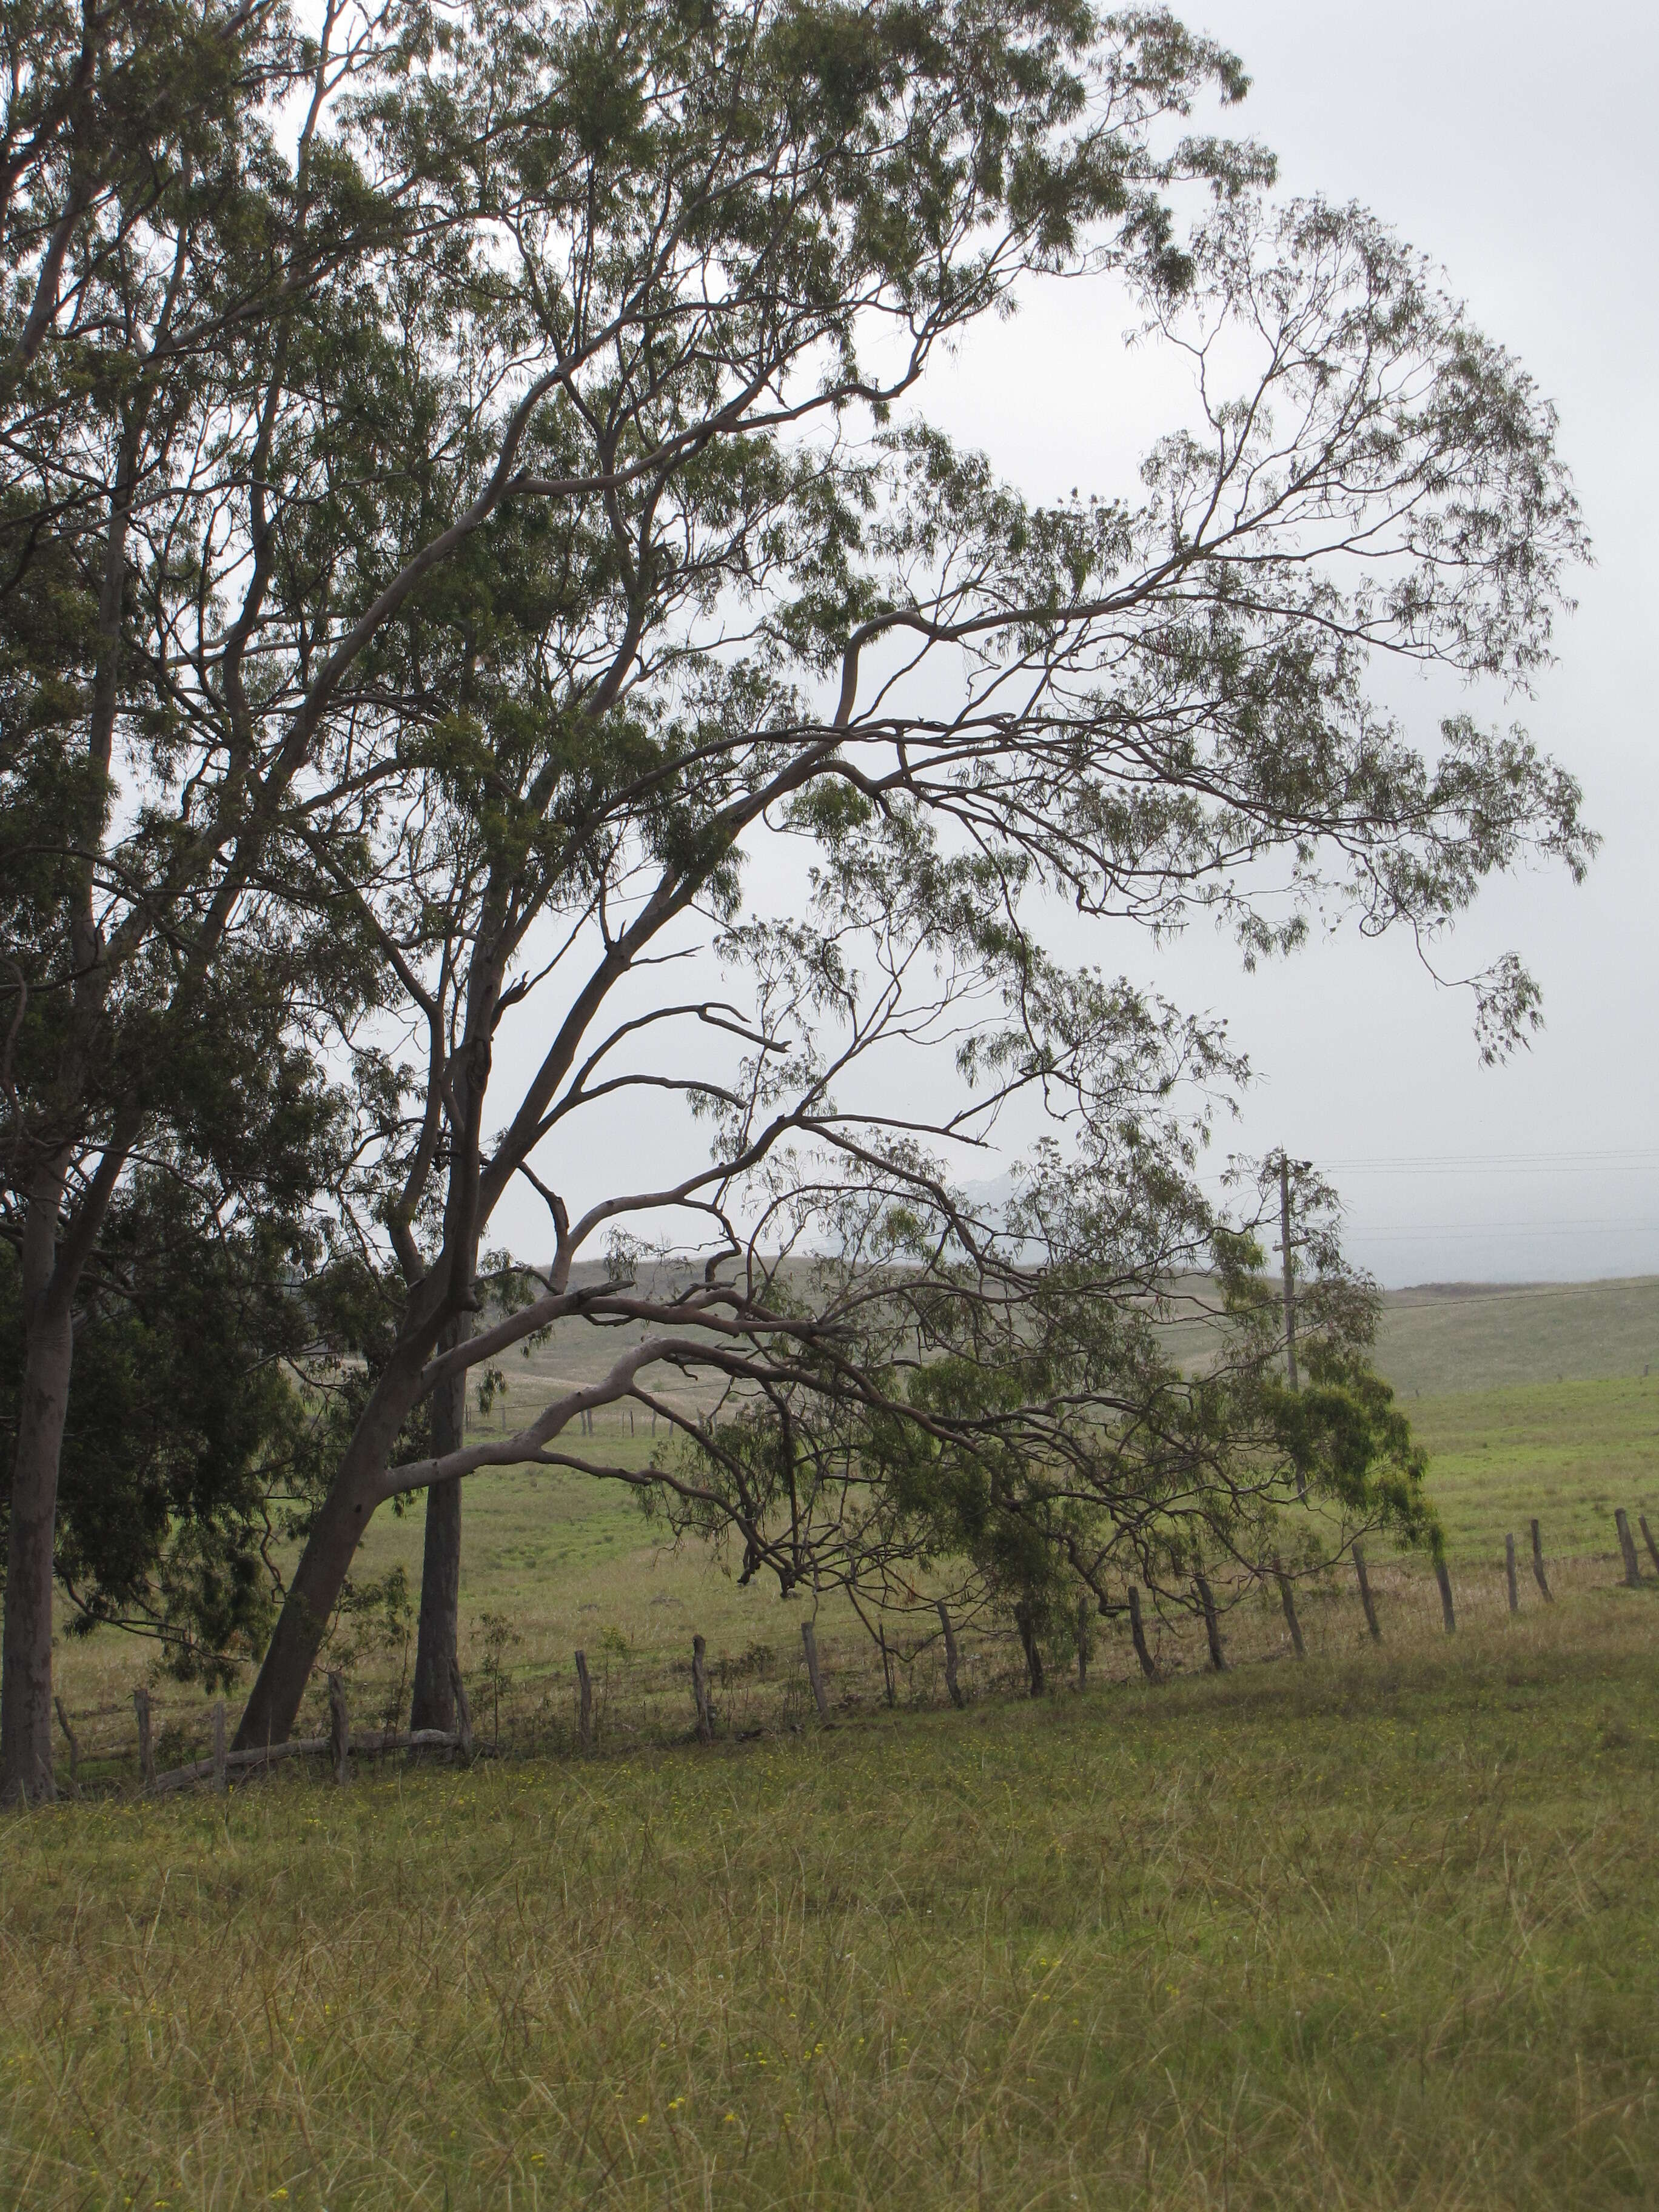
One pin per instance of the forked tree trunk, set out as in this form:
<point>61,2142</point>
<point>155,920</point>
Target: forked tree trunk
<point>432,1705</point>
<point>25,1771</point>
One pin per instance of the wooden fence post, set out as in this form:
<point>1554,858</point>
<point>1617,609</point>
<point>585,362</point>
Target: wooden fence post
<point>1627,1545</point>
<point>809,1638</point>
<point>1212,1625</point>
<point>700,1690</point>
<point>1083,1642</point>
<point>339,1727</point>
<point>890,1687</point>
<point>463,1711</point>
<point>1509,1573</point>
<point>220,1772</point>
<point>1138,1631</point>
<point>1287,1599</point>
<point>1538,1564</point>
<point>951,1681</point>
<point>1444,1581</point>
<point>1028,1644</point>
<point>1647,1538</point>
<point>146,1749</point>
<point>584,1706</point>
<point>1365,1582</point>
<point>74,1749</point>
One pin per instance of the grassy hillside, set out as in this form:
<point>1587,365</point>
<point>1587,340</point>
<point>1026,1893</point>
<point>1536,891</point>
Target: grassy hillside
<point>1374,1932</point>
<point>1451,1337</point>
<point>1568,1452</point>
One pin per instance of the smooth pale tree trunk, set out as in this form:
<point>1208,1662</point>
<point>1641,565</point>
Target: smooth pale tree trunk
<point>26,1675</point>
<point>432,1704</point>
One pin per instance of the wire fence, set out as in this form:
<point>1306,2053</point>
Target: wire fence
<point>166,1735</point>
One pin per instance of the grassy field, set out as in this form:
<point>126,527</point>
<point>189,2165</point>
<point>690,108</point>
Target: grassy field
<point>1378,1931</point>
<point>1447,1337</point>
<point>1568,1452</point>
<point>1374,1932</point>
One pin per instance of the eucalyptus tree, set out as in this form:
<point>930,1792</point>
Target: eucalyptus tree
<point>836,637</point>
<point>351,297</point>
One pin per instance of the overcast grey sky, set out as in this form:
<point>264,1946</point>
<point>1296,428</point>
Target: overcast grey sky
<point>1513,143</point>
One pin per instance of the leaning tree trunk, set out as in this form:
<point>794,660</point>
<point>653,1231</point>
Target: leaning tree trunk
<point>26,1675</point>
<point>339,1529</point>
<point>269,1715</point>
<point>432,1704</point>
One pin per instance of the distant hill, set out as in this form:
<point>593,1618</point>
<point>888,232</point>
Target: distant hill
<point>1435,1338</point>
<point>1441,1337</point>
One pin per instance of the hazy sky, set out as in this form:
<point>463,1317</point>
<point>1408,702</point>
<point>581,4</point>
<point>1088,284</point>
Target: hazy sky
<point>1515,143</point>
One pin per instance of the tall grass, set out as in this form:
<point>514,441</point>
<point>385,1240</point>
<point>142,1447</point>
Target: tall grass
<point>1376,1930</point>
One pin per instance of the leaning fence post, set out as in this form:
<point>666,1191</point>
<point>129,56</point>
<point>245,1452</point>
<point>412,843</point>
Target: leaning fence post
<point>1444,1581</point>
<point>1083,1642</point>
<point>73,1747</point>
<point>1138,1631</point>
<point>699,1690</point>
<point>1287,1599</point>
<point>1509,1573</point>
<point>889,1686</point>
<point>1647,1538</point>
<point>1365,1582</point>
<point>1212,1625</point>
<point>809,1638</point>
<point>1627,1545</point>
<point>220,1772</point>
<point>339,1727</point>
<point>462,1711</point>
<point>1538,1564</point>
<point>951,1681</point>
<point>584,1706</point>
<point>146,1749</point>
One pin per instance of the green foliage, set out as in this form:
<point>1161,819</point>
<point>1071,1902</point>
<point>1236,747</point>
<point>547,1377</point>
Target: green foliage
<point>504,528</point>
<point>186,1429</point>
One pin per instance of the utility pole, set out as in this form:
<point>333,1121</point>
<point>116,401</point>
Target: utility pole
<point>1284,1247</point>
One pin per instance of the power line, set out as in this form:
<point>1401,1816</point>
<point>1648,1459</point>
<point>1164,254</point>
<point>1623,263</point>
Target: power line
<point>1354,1229</point>
<point>1644,1161</point>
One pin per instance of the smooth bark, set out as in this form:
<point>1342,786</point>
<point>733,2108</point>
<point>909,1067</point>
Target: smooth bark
<point>1138,1631</point>
<point>951,1682</point>
<point>1366,1600</point>
<point>1212,1625</point>
<point>1287,1599</point>
<point>432,1704</point>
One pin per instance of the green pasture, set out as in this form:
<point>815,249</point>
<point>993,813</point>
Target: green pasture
<point>1375,1932</point>
<point>1569,1453</point>
<point>1448,1338</point>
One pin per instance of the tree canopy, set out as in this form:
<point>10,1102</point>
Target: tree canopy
<point>508,543</point>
